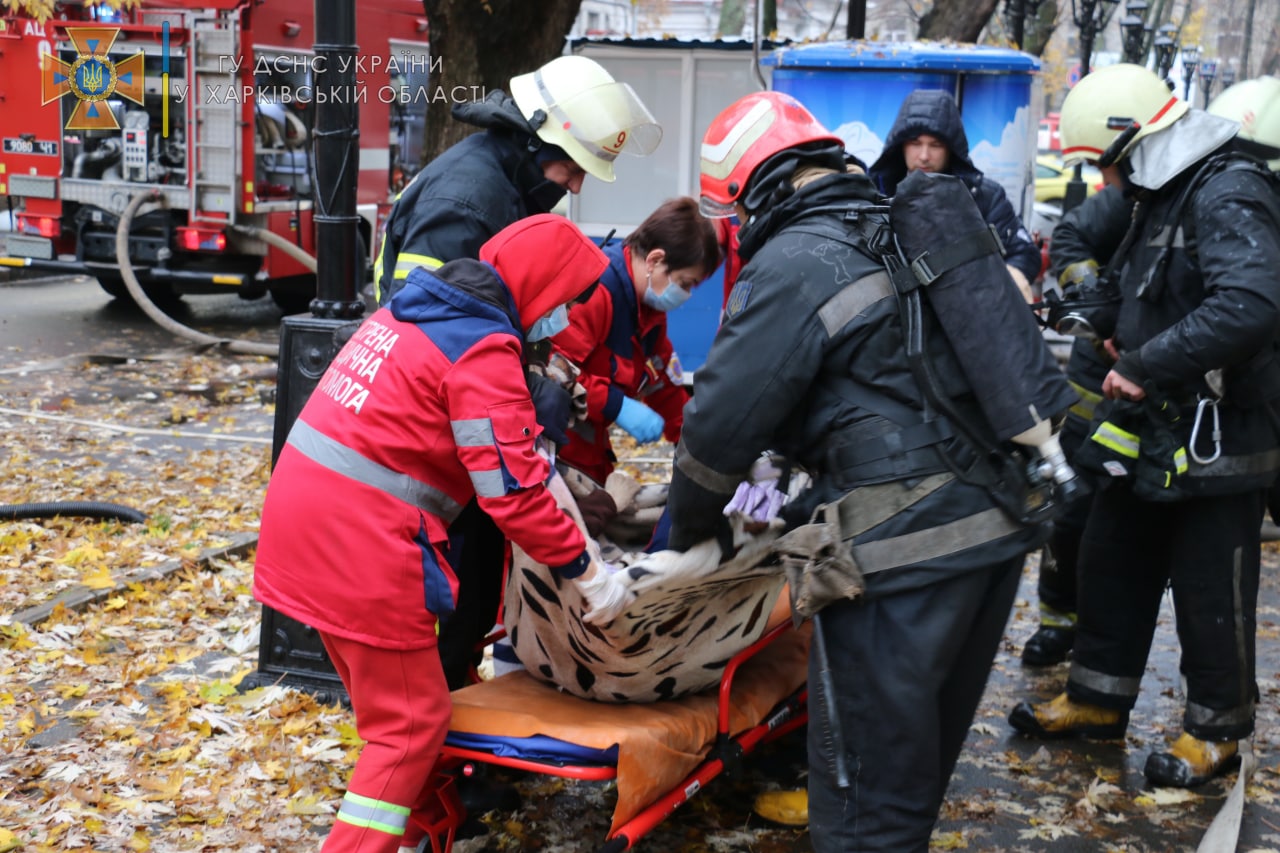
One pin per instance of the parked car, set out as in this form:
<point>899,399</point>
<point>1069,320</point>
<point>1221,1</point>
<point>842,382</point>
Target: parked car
<point>1052,179</point>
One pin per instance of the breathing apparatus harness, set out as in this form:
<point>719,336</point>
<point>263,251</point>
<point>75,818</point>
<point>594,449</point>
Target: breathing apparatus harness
<point>967,448</point>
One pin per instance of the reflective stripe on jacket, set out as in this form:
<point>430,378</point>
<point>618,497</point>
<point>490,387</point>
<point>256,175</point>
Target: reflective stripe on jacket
<point>410,421</point>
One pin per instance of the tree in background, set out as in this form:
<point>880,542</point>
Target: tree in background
<point>486,43</point>
<point>734,14</point>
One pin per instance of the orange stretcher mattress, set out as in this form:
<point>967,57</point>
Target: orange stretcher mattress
<point>658,744</point>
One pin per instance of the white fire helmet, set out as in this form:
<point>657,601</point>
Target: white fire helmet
<point>1122,100</point>
<point>1255,104</point>
<point>586,112</point>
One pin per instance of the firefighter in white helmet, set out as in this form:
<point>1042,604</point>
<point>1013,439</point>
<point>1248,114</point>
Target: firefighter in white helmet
<point>1256,105</point>
<point>1186,443</point>
<point>567,119</point>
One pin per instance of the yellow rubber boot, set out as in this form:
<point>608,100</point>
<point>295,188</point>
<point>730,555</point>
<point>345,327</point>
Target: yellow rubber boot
<point>1191,762</point>
<point>789,808</point>
<point>1066,718</point>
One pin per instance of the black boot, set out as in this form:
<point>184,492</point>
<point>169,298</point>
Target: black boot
<point>1048,645</point>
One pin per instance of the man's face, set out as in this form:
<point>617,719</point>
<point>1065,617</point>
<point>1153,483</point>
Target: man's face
<point>1111,175</point>
<point>926,153</point>
<point>566,173</point>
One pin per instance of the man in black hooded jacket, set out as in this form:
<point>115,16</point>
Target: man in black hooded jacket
<point>929,135</point>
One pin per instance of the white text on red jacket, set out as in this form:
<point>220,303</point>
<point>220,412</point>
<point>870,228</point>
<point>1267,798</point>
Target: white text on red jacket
<point>350,377</point>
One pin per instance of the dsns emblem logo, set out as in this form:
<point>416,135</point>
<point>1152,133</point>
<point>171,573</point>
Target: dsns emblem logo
<point>93,78</point>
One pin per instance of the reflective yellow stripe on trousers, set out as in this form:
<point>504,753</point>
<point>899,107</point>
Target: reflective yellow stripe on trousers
<point>374,814</point>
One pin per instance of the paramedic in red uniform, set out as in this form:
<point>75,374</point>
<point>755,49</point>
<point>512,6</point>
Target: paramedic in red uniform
<point>619,335</point>
<point>422,410</point>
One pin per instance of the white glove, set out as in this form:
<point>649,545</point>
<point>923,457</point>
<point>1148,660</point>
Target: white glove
<point>605,594</point>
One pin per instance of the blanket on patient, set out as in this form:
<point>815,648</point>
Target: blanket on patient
<point>693,614</point>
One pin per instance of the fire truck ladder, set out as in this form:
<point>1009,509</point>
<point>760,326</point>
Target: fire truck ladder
<point>215,143</point>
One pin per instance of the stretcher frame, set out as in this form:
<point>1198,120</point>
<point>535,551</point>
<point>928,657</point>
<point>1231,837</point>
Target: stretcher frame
<point>444,812</point>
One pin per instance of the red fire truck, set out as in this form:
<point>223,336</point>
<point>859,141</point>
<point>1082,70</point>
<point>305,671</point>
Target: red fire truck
<point>211,103</point>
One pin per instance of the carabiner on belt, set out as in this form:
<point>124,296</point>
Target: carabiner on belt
<point>1216,435</point>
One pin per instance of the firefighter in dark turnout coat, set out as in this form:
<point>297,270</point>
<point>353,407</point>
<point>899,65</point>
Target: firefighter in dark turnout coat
<point>566,120</point>
<point>1086,237</point>
<point>809,361</point>
<point>1189,434</point>
<point>931,115</point>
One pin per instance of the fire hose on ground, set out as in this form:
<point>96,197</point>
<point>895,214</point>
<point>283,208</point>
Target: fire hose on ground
<point>164,320</point>
<point>71,509</point>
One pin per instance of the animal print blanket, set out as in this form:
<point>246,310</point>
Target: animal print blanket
<point>692,616</point>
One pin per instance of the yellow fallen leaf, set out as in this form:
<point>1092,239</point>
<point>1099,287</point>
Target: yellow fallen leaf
<point>99,578</point>
<point>1166,797</point>
<point>307,805</point>
<point>83,554</point>
<point>948,841</point>
<point>71,691</point>
<point>115,602</point>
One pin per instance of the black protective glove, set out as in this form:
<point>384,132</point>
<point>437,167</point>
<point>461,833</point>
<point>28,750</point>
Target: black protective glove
<point>552,404</point>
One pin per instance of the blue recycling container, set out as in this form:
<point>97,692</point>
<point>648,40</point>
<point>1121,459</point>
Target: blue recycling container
<point>856,87</point>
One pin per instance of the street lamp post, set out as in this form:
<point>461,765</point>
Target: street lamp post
<point>1133,28</point>
<point>1208,71</point>
<point>1165,46</point>
<point>1228,76</point>
<point>289,651</point>
<point>1190,59</point>
<point>1090,16</point>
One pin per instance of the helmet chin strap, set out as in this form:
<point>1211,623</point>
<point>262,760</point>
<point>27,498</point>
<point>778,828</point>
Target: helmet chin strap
<point>1118,145</point>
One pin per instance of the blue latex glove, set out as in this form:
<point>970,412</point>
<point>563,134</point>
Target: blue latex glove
<point>644,424</point>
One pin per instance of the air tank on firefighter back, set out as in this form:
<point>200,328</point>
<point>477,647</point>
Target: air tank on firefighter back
<point>856,87</point>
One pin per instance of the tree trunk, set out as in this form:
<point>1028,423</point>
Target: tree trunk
<point>479,45</point>
<point>1039,27</point>
<point>732,18</point>
<point>1248,39</point>
<point>960,20</point>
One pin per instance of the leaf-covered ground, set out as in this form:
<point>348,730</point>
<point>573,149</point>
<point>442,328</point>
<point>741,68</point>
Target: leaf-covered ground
<point>122,726</point>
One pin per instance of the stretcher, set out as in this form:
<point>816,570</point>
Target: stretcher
<point>660,754</point>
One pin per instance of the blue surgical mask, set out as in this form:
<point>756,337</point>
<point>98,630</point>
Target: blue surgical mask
<point>668,300</point>
<point>549,326</point>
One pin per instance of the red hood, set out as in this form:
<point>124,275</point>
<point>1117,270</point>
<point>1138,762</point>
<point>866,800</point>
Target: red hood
<point>545,261</point>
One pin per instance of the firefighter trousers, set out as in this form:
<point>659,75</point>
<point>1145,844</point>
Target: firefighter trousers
<point>909,670</point>
<point>1207,550</point>
<point>402,709</point>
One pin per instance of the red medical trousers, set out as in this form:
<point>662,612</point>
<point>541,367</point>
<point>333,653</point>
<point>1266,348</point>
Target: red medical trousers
<point>402,708</point>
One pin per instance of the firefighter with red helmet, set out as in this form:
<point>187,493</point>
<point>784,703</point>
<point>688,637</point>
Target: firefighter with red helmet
<point>618,337</point>
<point>423,409</point>
<point>810,361</point>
